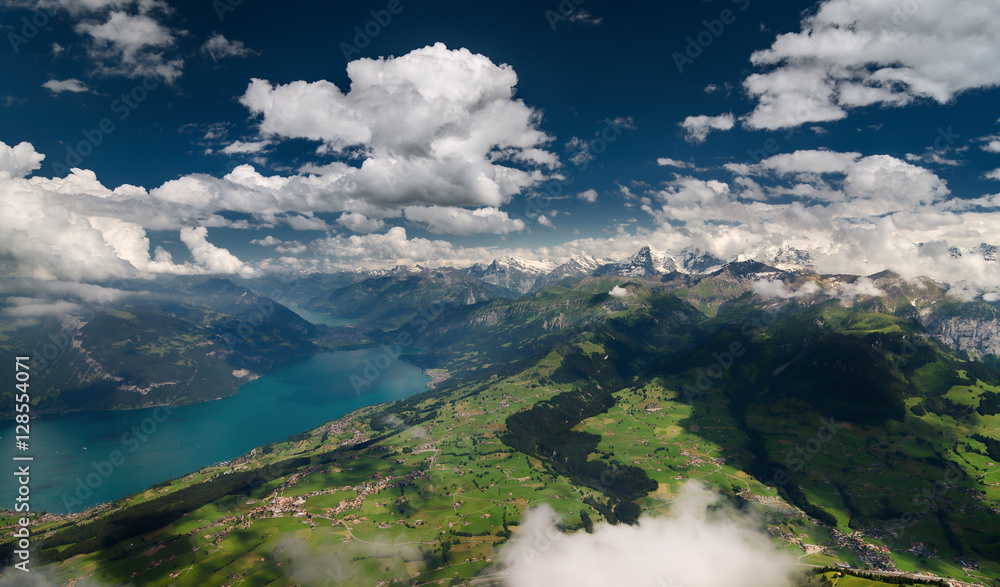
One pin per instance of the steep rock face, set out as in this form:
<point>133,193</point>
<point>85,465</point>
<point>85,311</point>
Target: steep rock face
<point>559,322</point>
<point>512,273</point>
<point>783,257</point>
<point>495,314</point>
<point>973,334</point>
<point>989,253</point>
<point>393,299</point>
<point>696,261</point>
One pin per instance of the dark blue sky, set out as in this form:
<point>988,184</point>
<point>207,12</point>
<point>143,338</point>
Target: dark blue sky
<point>603,60</point>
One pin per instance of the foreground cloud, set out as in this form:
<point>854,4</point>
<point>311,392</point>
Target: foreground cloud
<point>692,547</point>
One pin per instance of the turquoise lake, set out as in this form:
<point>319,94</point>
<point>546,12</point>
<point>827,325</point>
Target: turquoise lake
<point>292,399</point>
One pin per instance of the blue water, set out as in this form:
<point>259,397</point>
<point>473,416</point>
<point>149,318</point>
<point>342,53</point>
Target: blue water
<point>72,449</point>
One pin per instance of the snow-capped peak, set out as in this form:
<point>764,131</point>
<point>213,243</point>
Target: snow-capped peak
<point>530,266</point>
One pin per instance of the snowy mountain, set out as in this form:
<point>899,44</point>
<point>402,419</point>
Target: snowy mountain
<point>644,263</point>
<point>696,261</point>
<point>573,270</point>
<point>990,253</point>
<point>512,273</point>
<point>783,257</point>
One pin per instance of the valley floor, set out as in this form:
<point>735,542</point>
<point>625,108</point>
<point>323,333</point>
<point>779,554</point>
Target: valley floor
<point>434,501</point>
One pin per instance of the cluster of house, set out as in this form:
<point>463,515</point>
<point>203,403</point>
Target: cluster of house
<point>873,555</point>
<point>364,490</point>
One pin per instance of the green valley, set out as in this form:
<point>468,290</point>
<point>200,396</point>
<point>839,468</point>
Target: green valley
<point>855,437</point>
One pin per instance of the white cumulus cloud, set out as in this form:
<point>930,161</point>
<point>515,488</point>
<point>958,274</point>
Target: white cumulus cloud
<point>459,221</point>
<point>854,53</point>
<point>360,222</point>
<point>437,126</point>
<point>214,259</point>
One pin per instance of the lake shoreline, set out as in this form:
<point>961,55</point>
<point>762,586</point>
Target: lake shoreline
<point>154,446</point>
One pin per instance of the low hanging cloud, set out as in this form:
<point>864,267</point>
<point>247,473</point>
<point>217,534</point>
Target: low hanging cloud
<point>32,308</point>
<point>61,290</point>
<point>769,289</point>
<point>840,212</point>
<point>395,247</point>
<point>846,291</point>
<point>701,543</point>
<point>855,53</point>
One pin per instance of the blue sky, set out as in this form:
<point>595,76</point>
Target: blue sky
<point>901,121</point>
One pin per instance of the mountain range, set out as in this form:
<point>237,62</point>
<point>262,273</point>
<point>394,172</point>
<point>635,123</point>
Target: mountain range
<point>147,347</point>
